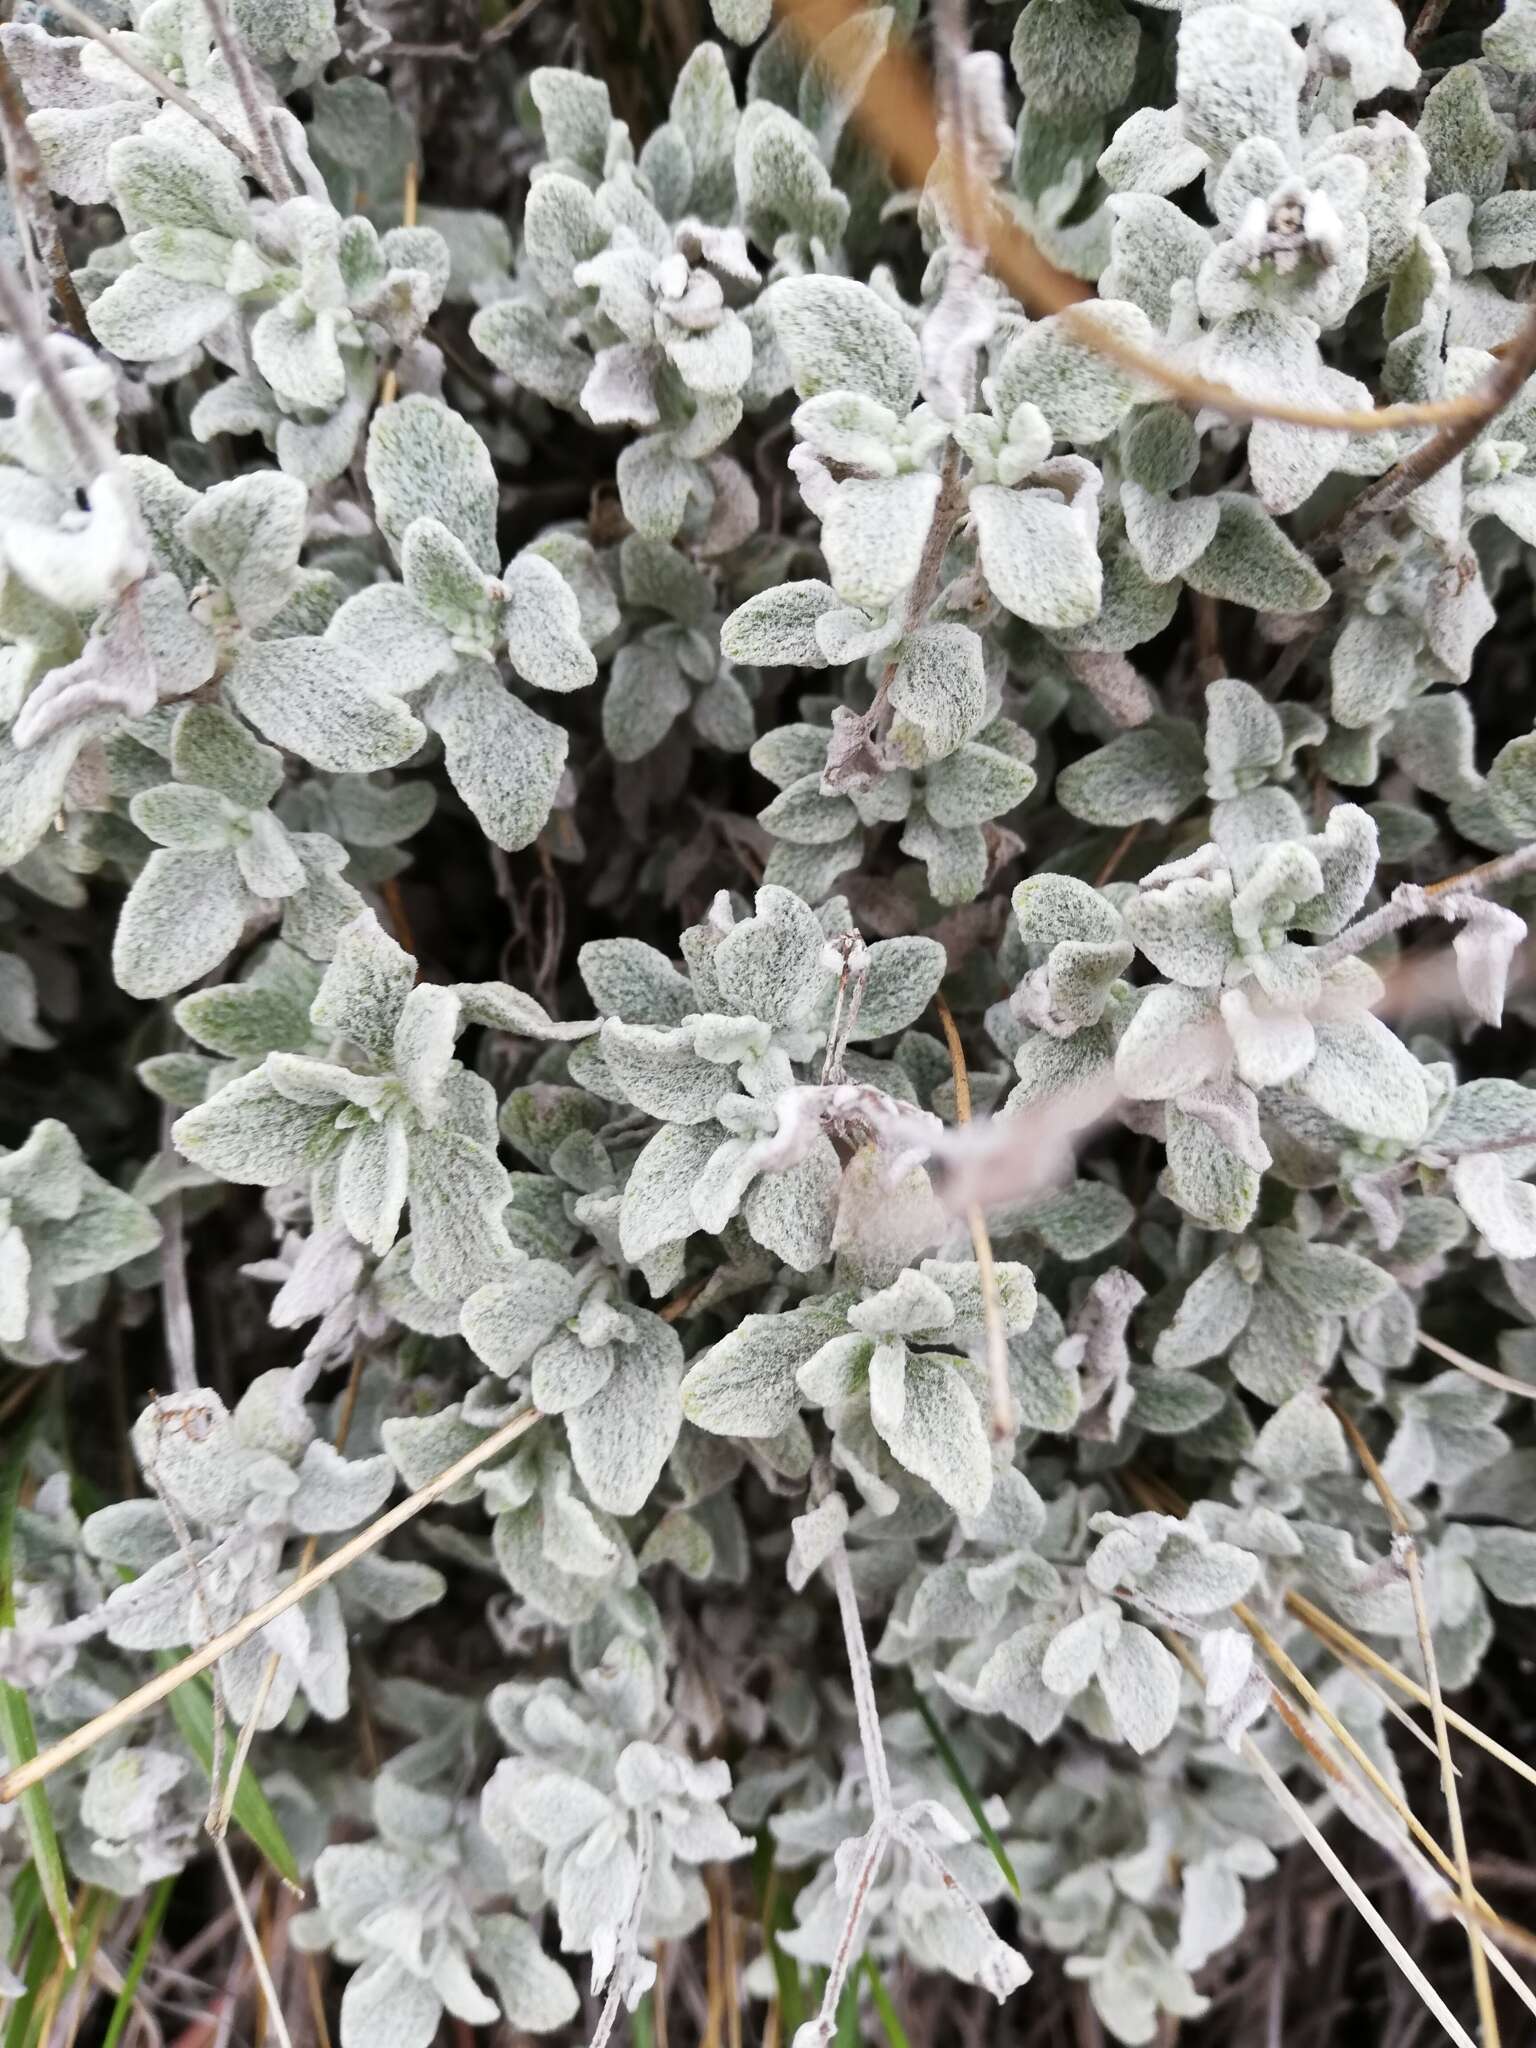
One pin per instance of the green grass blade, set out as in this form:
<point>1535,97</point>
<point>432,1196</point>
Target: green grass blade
<point>890,2019</point>
<point>847,2035</point>
<point>967,1791</point>
<point>149,1929</point>
<point>642,2029</point>
<point>192,1704</point>
<point>26,1898</point>
<point>42,1956</point>
<point>17,1733</point>
<point>774,1900</point>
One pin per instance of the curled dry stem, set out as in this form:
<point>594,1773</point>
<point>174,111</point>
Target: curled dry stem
<point>896,112</point>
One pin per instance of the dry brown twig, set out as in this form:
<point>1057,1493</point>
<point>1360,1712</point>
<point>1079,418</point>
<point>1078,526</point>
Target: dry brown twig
<point>150,1694</point>
<point>167,89</point>
<point>275,174</point>
<point>897,114</point>
<point>390,384</point>
<point>1407,1551</point>
<point>219,1826</point>
<point>33,198</point>
<point>1292,1806</point>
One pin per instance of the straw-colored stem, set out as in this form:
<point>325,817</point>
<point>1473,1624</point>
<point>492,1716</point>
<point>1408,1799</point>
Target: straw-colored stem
<point>1408,1550</point>
<point>220,1824</point>
<point>274,2010</point>
<point>1004,1420</point>
<point>165,1683</point>
<point>1476,1370</point>
<point>1292,1806</point>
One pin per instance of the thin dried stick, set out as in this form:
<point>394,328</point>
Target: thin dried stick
<point>714,1966</point>
<point>1004,1419</point>
<point>258,115</point>
<point>1286,1798</point>
<point>1346,1644</point>
<point>168,90</point>
<point>1407,1550</point>
<point>1490,874</point>
<point>165,1683</point>
<point>316,2000</point>
<point>390,385</point>
<point>307,1555</point>
<point>684,1298</point>
<point>257,1954</point>
<point>90,448</point>
<point>1486,1373</point>
<point>897,114</point>
<point>1121,848</point>
<point>1323,1624</point>
<point>34,198</point>
<point>877,1841</point>
<point>1383,497</point>
<point>1410,901</point>
<point>1481,1910</point>
<point>659,1998</point>
<point>1428,19</point>
<point>731,1964</point>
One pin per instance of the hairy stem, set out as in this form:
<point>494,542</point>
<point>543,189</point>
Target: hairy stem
<point>1380,499</point>
<point>168,90</point>
<point>258,118</point>
<point>33,198</point>
<point>1412,900</point>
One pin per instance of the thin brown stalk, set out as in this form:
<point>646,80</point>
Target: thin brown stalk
<point>90,448</point>
<point>1407,1549</point>
<point>1286,1799</point>
<point>1323,1624</point>
<point>18,1396</point>
<point>390,385</point>
<point>1489,875</point>
<point>897,114</point>
<point>1004,1420</point>
<point>167,89</point>
<point>316,1998</point>
<point>165,1683</point>
<point>220,1824</point>
<point>1427,20</point>
<point>1383,497</point>
<point>731,1961</point>
<point>274,2008</point>
<point>1489,1376</point>
<point>275,174</point>
<point>714,1963</point>
<point>34,199</point>
<point>659,1998</point>
<point>684,1298</point>
<point>1121,848</point>
<point>1518,1937</point>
